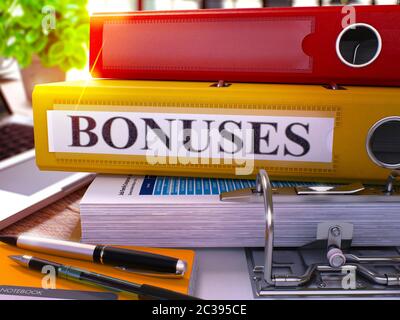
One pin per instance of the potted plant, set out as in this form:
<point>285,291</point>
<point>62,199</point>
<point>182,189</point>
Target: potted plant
<point>46,37</point>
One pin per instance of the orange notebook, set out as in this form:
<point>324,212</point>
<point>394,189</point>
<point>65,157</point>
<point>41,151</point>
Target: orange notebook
<point>13,275</point>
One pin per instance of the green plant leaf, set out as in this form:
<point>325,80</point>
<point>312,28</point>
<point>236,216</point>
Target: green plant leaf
<point>72,7</point>
<point>40,44</point>
<point>21,20</point>
<point>56,52</point>
<point>24,59</point>
<point>65,65</point>
<point>82,33</point>
<point>68,34</point>
<point>32,36</point>
<point>79,58</point>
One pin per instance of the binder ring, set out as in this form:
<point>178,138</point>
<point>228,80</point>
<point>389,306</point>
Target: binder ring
<point>263,186</point>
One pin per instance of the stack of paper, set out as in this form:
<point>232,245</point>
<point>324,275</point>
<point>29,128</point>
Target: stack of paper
<point>187,212</point>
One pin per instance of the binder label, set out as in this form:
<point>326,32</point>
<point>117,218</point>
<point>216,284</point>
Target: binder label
<point>204,137</point>
<point>270,44</point>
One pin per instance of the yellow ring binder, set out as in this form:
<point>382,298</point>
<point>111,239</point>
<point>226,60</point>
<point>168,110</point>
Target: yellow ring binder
<point>295,132</point>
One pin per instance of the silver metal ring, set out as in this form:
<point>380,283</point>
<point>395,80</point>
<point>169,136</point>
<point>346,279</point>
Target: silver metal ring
<point>263,185</point>
<point>368,143</point>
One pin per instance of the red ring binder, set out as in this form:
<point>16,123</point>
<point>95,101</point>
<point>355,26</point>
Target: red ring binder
<point>281,45</point>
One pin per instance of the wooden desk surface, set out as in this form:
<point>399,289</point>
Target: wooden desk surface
<point>59,220</point>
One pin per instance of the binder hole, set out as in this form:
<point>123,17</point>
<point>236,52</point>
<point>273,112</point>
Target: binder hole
<point>358,45</point>
<point>383,143</point>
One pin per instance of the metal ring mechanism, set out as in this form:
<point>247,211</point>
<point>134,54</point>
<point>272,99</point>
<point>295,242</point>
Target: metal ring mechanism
<point>389,188</point>
<point>264,189</point>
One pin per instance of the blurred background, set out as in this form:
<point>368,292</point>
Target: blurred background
<point>101,5</point>
<point>47,40</point>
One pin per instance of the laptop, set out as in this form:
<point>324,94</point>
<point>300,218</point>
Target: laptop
<point>23,187</point>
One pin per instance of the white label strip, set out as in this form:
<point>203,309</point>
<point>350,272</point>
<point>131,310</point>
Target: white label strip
<point>255,137</point>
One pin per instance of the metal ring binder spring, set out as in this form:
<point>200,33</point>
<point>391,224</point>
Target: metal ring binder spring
<point>271,284</point>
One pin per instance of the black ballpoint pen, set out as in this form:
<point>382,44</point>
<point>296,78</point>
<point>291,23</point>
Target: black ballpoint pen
<point>144,291</point>
<point>129,260</point>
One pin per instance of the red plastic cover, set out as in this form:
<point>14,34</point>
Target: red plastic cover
<point>291,45</point>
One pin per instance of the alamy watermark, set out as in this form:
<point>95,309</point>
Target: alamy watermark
<point>349,280</point>
<point>50,279</point>
<point>202,147</point>
<point>349,16</point>
<point>49,19</point>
